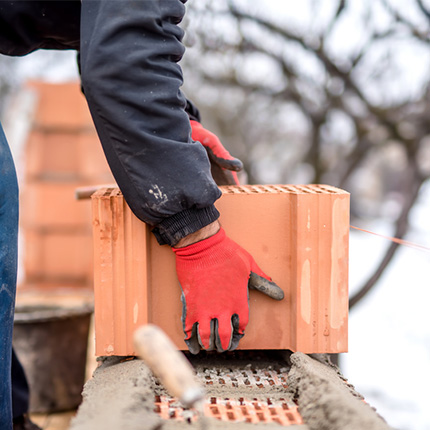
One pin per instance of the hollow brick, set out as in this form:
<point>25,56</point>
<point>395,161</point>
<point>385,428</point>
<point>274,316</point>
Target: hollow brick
<point>297,234</point>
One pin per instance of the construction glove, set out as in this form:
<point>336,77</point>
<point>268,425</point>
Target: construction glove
<point>215,275</point>
<point>223,165</point>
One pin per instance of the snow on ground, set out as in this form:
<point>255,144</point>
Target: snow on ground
<point>389,331</point>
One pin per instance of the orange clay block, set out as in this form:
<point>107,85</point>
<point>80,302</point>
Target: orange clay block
<point>51,156</point>
<point>57,256</point>
<point>297,234</point>
<point>63,143</point>
<point>61,107</point>
<point>61,156</point>
<point>52,205</point>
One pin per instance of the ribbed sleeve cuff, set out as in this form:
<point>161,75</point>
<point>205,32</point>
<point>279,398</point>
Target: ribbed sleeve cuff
<point>171,230</point>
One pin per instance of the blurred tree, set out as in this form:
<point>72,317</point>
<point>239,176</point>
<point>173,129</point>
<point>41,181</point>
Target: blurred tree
<point>308,92</point>
<point>321,92</point>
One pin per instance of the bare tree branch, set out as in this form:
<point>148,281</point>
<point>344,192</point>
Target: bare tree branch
<point>340,8</point>
<point>424,10</point>
<point>400,231</point>
<point>424,37</point>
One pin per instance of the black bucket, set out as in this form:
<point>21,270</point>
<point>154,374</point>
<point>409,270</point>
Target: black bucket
<point>51,343</point>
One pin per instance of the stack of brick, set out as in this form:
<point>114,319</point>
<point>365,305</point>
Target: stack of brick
<point>62,153</point>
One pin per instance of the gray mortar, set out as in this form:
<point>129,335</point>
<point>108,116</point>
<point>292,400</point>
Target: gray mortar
<point>325,401</point>
<point>121,395</point>
<point>118,396</point>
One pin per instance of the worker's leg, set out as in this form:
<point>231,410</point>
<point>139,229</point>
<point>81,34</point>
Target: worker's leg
<point>20,392</point>
<point>8,267</point>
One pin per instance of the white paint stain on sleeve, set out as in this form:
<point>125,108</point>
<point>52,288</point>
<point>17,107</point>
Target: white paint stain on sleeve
<point>158,194</point>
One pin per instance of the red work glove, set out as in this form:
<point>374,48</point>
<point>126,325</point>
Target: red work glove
<point>215,274</point>
<point>224,166</point>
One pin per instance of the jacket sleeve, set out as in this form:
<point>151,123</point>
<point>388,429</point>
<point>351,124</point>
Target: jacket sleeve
<point>26,26</point>
<point>192,111</point>
<point>131,79</point>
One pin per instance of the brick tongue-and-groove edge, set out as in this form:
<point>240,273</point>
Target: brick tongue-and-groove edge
<point>298,234</point>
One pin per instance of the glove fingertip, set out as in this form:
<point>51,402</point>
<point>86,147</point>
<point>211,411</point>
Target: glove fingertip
<point>226,161</point>
<point>265,286</point>
<point>191,340</point>
<point>205,337</point>
<point>223,336</point>
<point>235,341</point>
<point>193,346</point>
<point>238,332</point>
<point>235,164</point>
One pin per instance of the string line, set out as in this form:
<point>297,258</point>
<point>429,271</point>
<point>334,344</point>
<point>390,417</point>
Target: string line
<point>395,239</point>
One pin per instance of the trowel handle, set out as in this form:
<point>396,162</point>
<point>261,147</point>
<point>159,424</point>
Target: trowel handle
<point>168,364</point>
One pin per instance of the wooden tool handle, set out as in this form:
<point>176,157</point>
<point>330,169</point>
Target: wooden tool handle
<point>168,364</point>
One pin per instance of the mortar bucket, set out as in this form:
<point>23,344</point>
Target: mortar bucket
<point>51,343</point>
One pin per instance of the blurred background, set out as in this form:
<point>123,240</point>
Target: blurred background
<point>334,92</point>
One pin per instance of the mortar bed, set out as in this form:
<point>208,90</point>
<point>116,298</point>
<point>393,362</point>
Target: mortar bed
<point>241,387</point>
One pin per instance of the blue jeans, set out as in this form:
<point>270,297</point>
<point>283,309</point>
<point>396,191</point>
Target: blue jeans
<point>8,268</point>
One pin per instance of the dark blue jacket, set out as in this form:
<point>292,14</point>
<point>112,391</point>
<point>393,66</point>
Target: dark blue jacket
<point>128,57</point>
